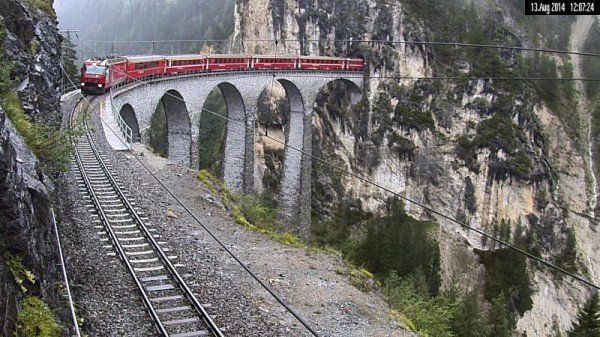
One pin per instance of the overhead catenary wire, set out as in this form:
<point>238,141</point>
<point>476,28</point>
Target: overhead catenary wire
<point>377,41</point>
<point>210,233</point>
<point>412,201</point>
<point>426,207</point>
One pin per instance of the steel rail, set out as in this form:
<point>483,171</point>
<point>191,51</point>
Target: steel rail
<point>181,282</point>
<point>199,309</point>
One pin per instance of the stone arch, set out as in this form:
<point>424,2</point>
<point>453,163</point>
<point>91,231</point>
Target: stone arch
<point>128,115</point>
<point>234,158</point>
<point>353,89</point>
<point>179,136</point>
<point>296,194</point>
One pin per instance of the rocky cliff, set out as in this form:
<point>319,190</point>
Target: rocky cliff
<point>30,270</point>
<point>507,157</point>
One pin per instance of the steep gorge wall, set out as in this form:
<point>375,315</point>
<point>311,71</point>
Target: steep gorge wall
<point>534,175</point>
<point>32,44</point>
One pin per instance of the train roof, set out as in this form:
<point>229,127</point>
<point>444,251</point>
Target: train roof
<point>313,57</point>
<point>185,57</point>
<point>228,56</point>
<point>279,56</point>
<point>144,58</point>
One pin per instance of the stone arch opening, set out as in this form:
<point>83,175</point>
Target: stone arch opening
<point>128,115</point>
<point>336,119</point>
<point>222,135</point>
<point>272,122</point>
<point>170,129</point>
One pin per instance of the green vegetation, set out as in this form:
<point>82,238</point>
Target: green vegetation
<point>399,242</point>
<point>451,313</point>
<point>588,319</point>
<point>43,5</point>
<point>211,141</point>
<point>157,134</point>
<point>590,65</point>
<point>567,259</point>
<point>20,274</point>
<point>50,146</point>
<point>69,59</point>
<point>37,320</point>
<point>411,117</point>
<point>498,133</point>
<point>257,213</point>
<point>506,276</point>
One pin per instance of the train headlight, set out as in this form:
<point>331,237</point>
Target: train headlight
<point>99,85</point>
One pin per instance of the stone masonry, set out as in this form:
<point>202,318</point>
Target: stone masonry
<point>183,99</point>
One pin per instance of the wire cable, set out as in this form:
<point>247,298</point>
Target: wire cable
<point>412,201</point>
<point>424,206</point>
<point>213,236</point>
<point>378,41</point>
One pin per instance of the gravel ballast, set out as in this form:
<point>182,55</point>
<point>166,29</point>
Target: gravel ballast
<point>305,279</point>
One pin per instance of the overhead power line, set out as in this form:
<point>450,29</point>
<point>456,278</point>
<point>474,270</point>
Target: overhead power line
<point>210,233</point>
<point>377,41</point>
<point>410,200</point>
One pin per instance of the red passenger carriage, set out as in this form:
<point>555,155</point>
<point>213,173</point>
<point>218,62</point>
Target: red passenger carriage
<point>97,76</point>
<point>228,62</point>
<point>262,62</point>
<point>185,64</point>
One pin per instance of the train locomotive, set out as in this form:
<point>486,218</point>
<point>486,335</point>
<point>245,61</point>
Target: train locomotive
<point>99,75</point>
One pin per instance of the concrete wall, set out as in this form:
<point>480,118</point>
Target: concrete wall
<point>184,100</point>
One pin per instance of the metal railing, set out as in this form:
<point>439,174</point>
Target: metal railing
<point>126,131</point>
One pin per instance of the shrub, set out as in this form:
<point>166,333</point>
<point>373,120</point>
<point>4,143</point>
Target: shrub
<point>409,116</point>
<point>404,147</point>
<point>212,133</point>
<point>259,211</point>
<point>422,314</point>
<point>37,320</point>
<point>567,259</point>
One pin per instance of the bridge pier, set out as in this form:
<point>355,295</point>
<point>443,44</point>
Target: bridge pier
<point>241,95</point>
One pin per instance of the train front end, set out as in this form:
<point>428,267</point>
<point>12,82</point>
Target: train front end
<point>94,76</point>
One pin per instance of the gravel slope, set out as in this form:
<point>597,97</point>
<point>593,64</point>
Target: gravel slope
<point>305,279</point>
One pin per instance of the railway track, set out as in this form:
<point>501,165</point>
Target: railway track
<point>168,299</point>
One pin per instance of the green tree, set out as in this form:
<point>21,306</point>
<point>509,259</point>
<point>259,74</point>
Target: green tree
<point>469,320</point>
<point>212,133</point>
<point>588,319</point>
<point>500,321</point>
<point>399,242</point>
<point>69,60</point>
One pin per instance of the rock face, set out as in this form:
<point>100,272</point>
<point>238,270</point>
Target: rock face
<point>26,214</point>
<point>427,140</point>
<point>33,44</point>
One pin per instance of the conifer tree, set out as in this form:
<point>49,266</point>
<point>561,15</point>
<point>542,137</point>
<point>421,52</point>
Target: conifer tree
<point>69,60</point>
<point>588,319</point>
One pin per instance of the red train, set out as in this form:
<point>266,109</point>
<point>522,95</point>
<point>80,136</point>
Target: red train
<point>98,76</point>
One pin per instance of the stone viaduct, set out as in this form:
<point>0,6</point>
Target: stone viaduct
<point>183,99</point>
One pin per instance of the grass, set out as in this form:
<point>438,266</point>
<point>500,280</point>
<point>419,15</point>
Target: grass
<point>37,320</point>
<point>43,5</point>
<point>250,211</point>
